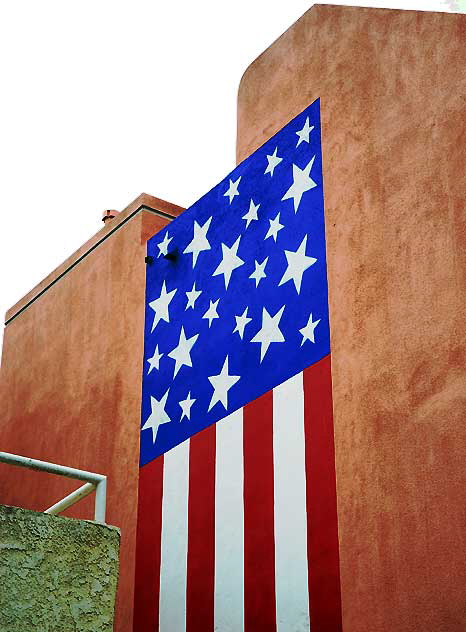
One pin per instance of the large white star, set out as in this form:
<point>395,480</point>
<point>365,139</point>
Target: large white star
<point>302,182</point>
<point>199,241</point>
<point>222,384</point>
<point>192,295</point>
<point>308,330</point>
<point>157,417</point>
<point>252,213</point>
<point>154,361</point>
<point>303,134</point>
<point>160,306</point>
<point>182,353</point>
<point>274,227</point>
<point>298,263</point>
<point>230,261</point>
<point>273,161</point>
<point>211,313</point>
<point>259,272</point>
<point>269,332</point>
<point>232,189</point>
<point>241,322</point>
<point>186,406</point>
<point>163,245</point>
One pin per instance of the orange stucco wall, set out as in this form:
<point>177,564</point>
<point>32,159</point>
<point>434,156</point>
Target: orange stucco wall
<point>392,89</point>
<point>71,378</point>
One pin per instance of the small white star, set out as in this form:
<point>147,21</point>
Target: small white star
<point>302,182</point>
<point>211,313</point>
<point>274,227</point>
<point>269,332</point>
<point>230,261</point>
<point>273,161</point>
<point>308,330</point>
<point>303,134</point>
<point>154,361</point>
<point>163,245</point>
<point>182,353</point>
<point>160,306</point>
<point>199,241</point>
<point>259,272</point>
<point>222,384</point>
<point>186,407</point>
<point>252,213</point>
<point>232,189</point>
<point>192,295</point>
<point>298,263</point>
<point>157,417</point>
<point>241,322</point>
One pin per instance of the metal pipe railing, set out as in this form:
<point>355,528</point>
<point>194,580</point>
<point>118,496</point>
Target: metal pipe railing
<point>97,482</point>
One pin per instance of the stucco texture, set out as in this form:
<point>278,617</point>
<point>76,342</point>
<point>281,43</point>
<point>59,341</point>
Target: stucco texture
<point>56,574</point>
<point>70,380</point>
<point>393,106</point>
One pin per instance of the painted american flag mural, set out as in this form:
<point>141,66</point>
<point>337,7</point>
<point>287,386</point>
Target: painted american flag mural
<point>237,523</point>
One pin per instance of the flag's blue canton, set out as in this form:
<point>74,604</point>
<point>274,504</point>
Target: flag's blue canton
<point>241,304</point>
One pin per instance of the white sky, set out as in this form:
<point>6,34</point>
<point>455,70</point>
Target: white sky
<point>103,100</point>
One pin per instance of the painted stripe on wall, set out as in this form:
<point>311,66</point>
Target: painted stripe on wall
<point>323,554</point>
<point>291,576</point>
<point>201,537</point>
<point>229,517</point>
<point>149,531</point>
<point>259,549</point>
<point>172,615</point>
<point>243,565</point>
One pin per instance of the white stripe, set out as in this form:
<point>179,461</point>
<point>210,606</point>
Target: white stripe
<point>172,616</point>
<point>291,586</point>
<point>229,525</point>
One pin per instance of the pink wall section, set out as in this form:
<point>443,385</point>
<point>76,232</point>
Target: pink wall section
<point>393,110</point>
<point>71,379</point>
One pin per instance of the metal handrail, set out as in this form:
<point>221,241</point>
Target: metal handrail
<point>97,482</point>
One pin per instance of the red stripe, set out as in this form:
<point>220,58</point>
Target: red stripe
<point>201,533</point>
<point>322,545</point>
<point>259,546</point>
<point>148,541</point>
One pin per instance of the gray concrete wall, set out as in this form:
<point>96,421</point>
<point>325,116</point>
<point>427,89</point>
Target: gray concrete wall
<point>56,574</point>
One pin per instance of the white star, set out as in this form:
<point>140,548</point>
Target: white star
<point>232,189</point>
<point>192,295</point>
<point>199,241</point>
<point>303,134</point>
<point>259,272</point>
<point>186,406</point>
<point>269,332</point>
<point>230,261</point>
<point>308,330</point>
<point>273,161</point>
<point>222,384</point>
<point>298,263</point>
<point>252,213</point>
<point>163,245</point>
<point>302,182</point>
<point>157,417</point>
<point>211,313</point>
<point>160,306</point>
<point>241,322</point>
<point>274,227</point>
<point>154,361</point>
<point>182,353</point>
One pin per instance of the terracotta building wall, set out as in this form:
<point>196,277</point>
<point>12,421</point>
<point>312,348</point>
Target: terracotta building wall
<point>392,89</point>
<point>71,378</point>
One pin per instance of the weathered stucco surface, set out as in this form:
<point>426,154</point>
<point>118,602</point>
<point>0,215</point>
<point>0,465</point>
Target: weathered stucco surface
<point>70,380</point>
<point>393,100</point>
<point>56,574</point>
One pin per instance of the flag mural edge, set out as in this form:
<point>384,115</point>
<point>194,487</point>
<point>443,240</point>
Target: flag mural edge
<point>255,290</point>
